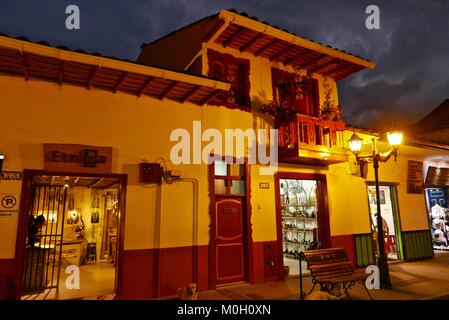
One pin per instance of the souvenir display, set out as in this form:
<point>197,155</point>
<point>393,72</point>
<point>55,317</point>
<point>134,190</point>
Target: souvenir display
<point>299,211</point>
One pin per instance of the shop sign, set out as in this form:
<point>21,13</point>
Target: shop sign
<point>415,183</point>
<point>9,205</point>
<point>77,158</point>
<point>11,175</point>
<point>437,176</point>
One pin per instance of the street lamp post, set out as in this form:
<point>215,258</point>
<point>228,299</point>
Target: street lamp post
<point>355,144</point>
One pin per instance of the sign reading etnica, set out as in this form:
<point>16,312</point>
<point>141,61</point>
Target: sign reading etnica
<point>77,158</point>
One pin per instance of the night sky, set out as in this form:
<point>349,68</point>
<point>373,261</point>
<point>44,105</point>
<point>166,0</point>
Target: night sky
<point>411,49</point>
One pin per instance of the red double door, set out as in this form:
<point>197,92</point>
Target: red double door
<point>230,241</point>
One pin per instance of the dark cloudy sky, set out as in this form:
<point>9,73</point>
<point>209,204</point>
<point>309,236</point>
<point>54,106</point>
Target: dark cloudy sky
<point>411,49</point>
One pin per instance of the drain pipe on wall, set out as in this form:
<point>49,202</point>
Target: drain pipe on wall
<point>169,178</point>
<point>195,270</point>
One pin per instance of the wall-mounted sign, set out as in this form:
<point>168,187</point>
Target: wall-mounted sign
<point>437,176</point>
<point>77,158</point>
<point>11,175</point>
<point>415,179</point>
<point>264,185</point>
<point>9,205</point>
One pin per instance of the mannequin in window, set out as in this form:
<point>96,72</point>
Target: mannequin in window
<point>438,212</point>
<point>438,238</point>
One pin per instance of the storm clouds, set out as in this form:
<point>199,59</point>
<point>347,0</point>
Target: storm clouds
<point>411,48</point>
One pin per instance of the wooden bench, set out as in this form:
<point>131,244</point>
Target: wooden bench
<point>329,267</point>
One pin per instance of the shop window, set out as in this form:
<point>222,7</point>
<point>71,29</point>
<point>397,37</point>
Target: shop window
<point>300,202</point>
<point>229,178</point>
<point>227,68</point>
<point>438,209</point>
<point>298,93</point>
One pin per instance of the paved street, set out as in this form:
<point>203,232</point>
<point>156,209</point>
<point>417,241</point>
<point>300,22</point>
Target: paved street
<point>420,280</point>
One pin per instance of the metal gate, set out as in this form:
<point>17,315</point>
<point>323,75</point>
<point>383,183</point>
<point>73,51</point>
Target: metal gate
<point>44,239</point>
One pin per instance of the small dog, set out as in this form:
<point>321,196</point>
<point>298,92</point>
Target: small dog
<point>336,294</point>
<point>321,295</point>
<point>188,293</point>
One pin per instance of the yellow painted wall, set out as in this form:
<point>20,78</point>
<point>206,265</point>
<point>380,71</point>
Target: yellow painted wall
<point>8,225</point>
<point>138,129</point>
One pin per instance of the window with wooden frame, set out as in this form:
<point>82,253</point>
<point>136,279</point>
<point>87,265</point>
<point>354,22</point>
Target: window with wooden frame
<point>229,178</point>
<point>230,69</point>
<point>298,93</point>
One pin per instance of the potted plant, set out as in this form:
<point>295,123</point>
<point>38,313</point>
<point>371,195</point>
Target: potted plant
<point>329,110</point>
<point>278,112</point>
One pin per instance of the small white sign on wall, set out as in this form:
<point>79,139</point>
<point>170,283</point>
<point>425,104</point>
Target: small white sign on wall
<point>9,205</point>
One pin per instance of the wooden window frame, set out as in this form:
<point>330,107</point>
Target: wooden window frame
<point>241,87</point>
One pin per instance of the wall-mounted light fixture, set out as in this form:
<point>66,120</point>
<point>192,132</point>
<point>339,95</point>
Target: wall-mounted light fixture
<point>2,157</point>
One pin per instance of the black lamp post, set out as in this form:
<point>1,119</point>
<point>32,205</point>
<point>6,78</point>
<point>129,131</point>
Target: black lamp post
<point>355,143</point>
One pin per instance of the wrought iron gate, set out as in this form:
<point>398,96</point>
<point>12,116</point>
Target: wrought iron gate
<point>44,239</point>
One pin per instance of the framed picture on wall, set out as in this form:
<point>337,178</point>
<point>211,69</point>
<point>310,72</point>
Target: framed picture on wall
<point>95,217</point>
<point>372,196</point>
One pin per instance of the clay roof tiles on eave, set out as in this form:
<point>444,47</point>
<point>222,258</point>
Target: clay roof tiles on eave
<point>254,36</point>
<point>249,34</point>
<point>244,14</point>
<point>20,56</point>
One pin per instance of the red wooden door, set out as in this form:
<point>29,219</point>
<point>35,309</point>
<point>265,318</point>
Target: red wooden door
<point>229,241</point>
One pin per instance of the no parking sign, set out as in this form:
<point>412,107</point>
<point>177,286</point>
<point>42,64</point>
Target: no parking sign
<point>9,204</point>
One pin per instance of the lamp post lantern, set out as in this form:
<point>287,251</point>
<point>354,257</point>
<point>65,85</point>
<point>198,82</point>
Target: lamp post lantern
<point>355,144</point>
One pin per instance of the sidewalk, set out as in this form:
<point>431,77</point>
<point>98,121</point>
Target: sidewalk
<point>421,280</point>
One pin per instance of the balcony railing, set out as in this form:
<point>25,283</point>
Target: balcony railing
<point>311,140</point>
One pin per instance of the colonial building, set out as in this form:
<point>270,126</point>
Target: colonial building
<point>89,177</point>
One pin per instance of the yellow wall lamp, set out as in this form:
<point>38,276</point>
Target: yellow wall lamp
<point>355,144</point>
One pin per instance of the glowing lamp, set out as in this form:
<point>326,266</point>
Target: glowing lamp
<point>355,144</point>
<point>395,138</point>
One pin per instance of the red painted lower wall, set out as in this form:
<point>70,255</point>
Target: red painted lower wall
<point>153,273</point>
<point>347,242</point>
<point>265,262</point>
<point>8,288</point>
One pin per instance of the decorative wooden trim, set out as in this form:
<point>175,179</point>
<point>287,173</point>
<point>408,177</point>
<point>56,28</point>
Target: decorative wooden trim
<point>92,75</point>
<point>209,98</point>
<point>294,58</point>
<point>145,86</point>
<point>61,72</point>
<point>323,66</point>
<point>167,90</point>
<point>120,81</point>
<point>251,42</point>
<point>314,60</point>
<point>189,93</point>
<point>25,66</point>
<point>234,36</point>
<point>266,46</point>
<point>282,51</point>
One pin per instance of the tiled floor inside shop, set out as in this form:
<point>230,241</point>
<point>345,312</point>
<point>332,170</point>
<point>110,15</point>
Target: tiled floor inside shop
<point>96,279</point>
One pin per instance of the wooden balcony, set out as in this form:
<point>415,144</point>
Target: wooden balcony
<point>312,141</point>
